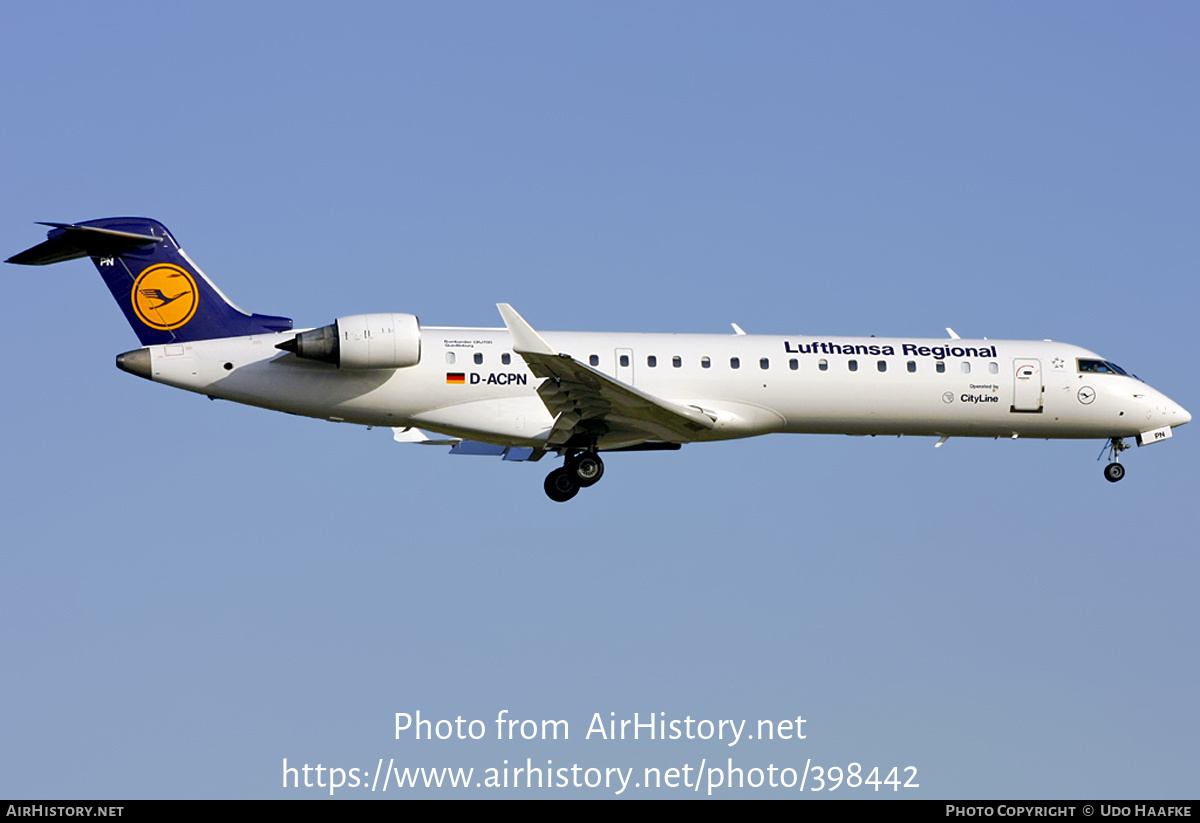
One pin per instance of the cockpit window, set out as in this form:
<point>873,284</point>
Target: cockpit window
<point>1100,367</point>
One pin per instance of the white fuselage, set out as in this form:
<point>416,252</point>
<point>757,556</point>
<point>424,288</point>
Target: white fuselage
<point>748,384</point>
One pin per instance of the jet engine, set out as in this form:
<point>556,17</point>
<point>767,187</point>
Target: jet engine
<point>362,341</point>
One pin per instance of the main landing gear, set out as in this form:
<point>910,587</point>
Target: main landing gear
<point>582,469</point>
<point>1114,471</point>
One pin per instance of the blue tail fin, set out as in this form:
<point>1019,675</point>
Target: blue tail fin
<point>165,297</point>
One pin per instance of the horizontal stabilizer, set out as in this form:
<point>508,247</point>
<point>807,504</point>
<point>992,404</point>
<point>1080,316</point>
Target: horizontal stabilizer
<point>69,242</point>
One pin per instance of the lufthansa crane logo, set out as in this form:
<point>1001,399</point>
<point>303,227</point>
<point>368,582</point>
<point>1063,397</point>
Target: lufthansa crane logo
<point>164,296</point>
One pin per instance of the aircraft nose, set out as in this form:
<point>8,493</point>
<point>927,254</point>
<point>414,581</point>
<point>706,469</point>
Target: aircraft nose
<point>1175,414</point>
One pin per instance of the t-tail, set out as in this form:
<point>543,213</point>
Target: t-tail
<point>165,296</point>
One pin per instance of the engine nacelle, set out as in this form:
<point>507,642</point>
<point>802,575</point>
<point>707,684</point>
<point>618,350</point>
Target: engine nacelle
<point>362,341</point>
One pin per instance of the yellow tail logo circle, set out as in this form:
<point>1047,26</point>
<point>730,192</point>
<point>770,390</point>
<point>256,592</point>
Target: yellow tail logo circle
<point>164,296</point>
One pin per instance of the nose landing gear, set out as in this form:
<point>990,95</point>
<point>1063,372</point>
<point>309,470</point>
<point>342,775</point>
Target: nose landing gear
<point>1114,471</point>
<point>581,469</point>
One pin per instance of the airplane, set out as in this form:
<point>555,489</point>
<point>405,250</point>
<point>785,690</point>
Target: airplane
<point>521,394</point>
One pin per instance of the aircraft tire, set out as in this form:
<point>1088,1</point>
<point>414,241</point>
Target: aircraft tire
<point>560,485</point>
<point>587,469</point>
<point>1114,472</point>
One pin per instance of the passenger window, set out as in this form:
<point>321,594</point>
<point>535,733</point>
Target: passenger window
<point>450,357</point>
<point>594,360</point>
<point>478,358</point>
<point>966,367</point>
<point>793,364</point>
<point>506,358</point>
<point>676,361</point>
<point>941,367</point>
<point>882,365</point>
<point>912,365</point>
<point>764,363</point>
<point>624,360</point>
<point>823,365</point>
<point>735,363</point>
<point>853,364</point>
<point>705,362</point>
<point>651,361</point>
<point>994,368</point>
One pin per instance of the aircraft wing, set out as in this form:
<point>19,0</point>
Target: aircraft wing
<point>587,402</point>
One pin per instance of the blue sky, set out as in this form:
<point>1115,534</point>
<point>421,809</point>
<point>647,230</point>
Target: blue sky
<point>195,591</point>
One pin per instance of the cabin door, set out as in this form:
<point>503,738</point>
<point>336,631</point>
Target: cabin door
<point>1027,385</point>
<point>625,366</point>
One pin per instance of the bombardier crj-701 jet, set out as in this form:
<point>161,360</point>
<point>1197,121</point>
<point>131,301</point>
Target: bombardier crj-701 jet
<point>521,394</point>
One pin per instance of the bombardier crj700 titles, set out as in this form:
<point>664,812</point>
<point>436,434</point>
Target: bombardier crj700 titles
<point>520,394</point>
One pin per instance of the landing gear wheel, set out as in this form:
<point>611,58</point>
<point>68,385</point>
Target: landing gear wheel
<point>1114,472</point>
<point>561,485</point>
<point>587,469</point>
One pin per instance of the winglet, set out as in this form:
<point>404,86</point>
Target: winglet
<point>415,435</point>
<point>525,339</point>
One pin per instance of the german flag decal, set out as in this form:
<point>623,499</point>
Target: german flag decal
<point>455,378</point>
